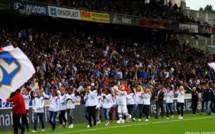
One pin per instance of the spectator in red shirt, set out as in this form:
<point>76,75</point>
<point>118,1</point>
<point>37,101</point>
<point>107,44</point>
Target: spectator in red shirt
<point>18,110</point>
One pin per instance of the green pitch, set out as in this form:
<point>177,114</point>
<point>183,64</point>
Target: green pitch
<point>199,124</point>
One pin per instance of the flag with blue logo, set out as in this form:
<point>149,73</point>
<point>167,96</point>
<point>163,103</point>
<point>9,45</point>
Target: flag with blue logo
<point>15,70</point>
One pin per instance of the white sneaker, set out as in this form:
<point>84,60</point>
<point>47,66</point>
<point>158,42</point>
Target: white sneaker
<point>146,120</point>
<point>212,113</point>
<point>122,121</point>
<point>42,130</point>
<point>107,123</point>
<point>98,122</point>
<point>139,120</point>
<point>172,116</point>
<point>34,131</point>
<point>149,116</point>
<point>167,118</point>
<point>133,119</point>
<point>118,122</point>
<point>88,126</point>
<point>71,126</point>
<point>179,117</point>
<point>128,117</point>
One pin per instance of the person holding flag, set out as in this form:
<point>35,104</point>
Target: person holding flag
<point>15,70</point>
<point>18,110</point>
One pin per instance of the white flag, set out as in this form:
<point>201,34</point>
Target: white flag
<point>15,70</point>
<point>212,65</point>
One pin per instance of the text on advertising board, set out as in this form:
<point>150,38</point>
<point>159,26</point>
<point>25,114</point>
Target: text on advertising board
<point>64,13</point>
<point>95,17</point>
<point>36,9</point>
<point>120,19</point>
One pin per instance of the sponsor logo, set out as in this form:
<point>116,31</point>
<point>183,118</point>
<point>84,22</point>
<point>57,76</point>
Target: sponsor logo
<point>9,68</point>
<point>53,11</point>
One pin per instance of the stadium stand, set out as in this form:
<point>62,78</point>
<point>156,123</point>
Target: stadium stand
<point>74,53</point>
<point>145,8</point>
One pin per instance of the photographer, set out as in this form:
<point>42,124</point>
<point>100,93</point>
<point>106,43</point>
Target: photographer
<point>18,110</point>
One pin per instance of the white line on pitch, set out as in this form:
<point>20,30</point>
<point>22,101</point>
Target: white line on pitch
<point>130,125</point>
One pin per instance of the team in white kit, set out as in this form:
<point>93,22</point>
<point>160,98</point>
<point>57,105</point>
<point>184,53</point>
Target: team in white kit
<point>63,101</point>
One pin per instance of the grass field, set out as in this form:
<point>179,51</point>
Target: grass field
<point>199,124</point>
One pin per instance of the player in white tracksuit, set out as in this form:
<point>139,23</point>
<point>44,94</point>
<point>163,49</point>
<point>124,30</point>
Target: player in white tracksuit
<point>54,108</point>
<point>62,97</point>
<point>70,106</point>
<point>121,95</point>
<point>107,104</point>
<point>38,104</point>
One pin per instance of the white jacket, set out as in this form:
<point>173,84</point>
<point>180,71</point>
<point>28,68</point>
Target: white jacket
<point>180,98</point>
<point>131,99</point>
<point>91,98</point>
<point>99,104</point>
<point>107,100</point>
<point>121,98</point>
<point>38,104</point>
<point>146,98</point>
<point>62,98</point>
<point>54,102</point>
<point>70,101</point>
<point>139,98</point>
<point>27,99</point>
<point>169,97</point>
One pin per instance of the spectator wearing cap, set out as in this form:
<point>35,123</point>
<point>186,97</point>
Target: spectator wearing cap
<point>159,101</point>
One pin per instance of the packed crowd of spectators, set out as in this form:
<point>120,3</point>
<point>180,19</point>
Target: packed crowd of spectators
<point>89,53</point>
<point>145,8</point>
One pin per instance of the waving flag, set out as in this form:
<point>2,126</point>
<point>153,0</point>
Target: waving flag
<point>212,65</point>
<point>15,70</point>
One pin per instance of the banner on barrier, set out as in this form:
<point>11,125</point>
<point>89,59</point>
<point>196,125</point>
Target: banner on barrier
<point>95,17</point>
<point>64,13</point>
<point>35,9</point>
<point>153,24</point>
<point>190,27</point>
<point>120,19</point>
